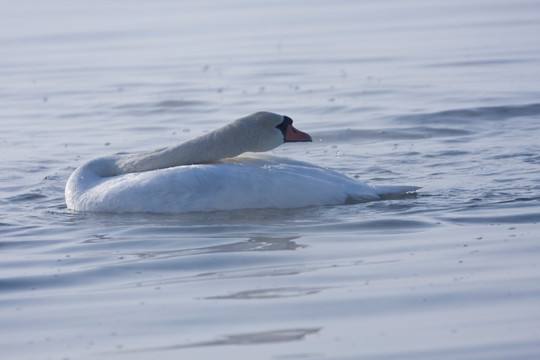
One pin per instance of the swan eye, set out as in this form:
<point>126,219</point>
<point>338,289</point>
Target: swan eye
<point>287,121</point>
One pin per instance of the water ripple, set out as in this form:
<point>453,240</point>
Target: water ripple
<point>255,338</point>
<point>465,116</point>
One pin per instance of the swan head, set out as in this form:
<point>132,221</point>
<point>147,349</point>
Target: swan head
<point>266,130</point>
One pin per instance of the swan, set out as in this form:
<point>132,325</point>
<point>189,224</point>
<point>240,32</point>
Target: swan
<point>207,173</point>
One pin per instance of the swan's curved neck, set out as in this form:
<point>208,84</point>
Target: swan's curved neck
<point>225,142</point>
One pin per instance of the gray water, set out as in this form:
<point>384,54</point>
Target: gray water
<point>438,94</point>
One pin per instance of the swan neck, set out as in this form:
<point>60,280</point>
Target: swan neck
<point>213,146</point>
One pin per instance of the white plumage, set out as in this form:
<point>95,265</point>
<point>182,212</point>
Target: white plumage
<point>193,176</point>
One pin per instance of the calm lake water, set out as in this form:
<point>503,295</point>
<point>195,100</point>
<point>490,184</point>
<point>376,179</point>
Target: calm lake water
<point>439,94</point>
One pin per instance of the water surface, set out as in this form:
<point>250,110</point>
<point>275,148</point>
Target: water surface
<point>442,95</point>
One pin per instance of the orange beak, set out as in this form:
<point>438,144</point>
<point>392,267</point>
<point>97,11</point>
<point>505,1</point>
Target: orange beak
<point>294,135</point>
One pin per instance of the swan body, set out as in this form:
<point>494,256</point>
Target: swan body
<point>206,174</point>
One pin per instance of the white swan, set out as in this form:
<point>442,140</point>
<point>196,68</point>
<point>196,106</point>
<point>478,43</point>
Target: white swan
<point>206,174</point>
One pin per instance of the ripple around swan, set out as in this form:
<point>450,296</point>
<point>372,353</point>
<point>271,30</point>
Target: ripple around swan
<point>26,197</point>
<point>166,106</point>
<point>273,293</point>
<point>387,225</point>
<point>518,350</point>
<point>525,218</point>
<point>389,134</point>
<point>474,115</point>
<point>244,273</point>
<point>254,243</point>
<point>256,338</point>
